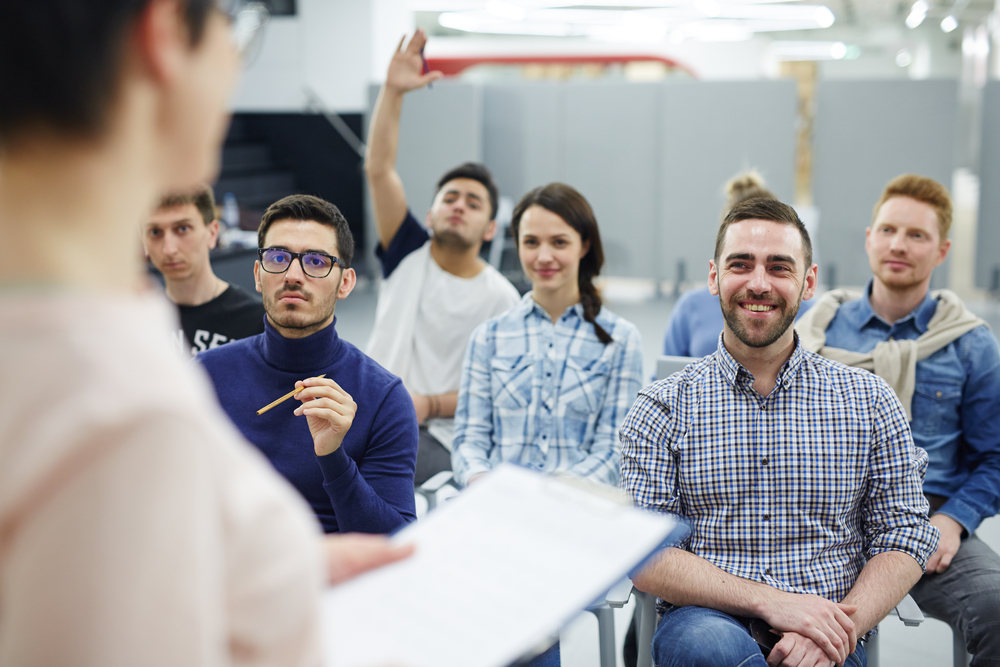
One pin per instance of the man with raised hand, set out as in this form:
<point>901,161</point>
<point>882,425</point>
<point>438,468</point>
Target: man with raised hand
<point>944,364</point>
<point>177,240</point>
<point>348,441</point>
<point>436,288</point>
<point>797,474</point>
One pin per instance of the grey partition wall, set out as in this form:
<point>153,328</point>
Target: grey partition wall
<point>441,127</point>
<point>866,133</point>
<point>988,230</point>
<point>708,132</point>
<point>650,158</point>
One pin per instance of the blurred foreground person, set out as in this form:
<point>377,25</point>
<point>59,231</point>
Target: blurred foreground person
<point>136,525</point>
<point>177,239</point>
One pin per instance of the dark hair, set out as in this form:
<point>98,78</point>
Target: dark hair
<point>764,209</point>
<point>308,207</point>
<point>202,198</point>
<point>568,204</point>
<point>924,190</point>
<point>60,60</point>
<point>476,172</point>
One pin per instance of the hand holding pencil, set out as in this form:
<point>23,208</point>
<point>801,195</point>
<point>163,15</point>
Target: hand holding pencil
<point>329,411</point>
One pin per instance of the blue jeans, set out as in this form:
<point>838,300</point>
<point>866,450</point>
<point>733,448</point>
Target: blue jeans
<point>966,596</point>
<point>700,637</point>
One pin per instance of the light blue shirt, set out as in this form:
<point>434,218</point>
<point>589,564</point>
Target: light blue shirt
<point>956,405</point>
<point>549,396</point>
<point>696,322</point>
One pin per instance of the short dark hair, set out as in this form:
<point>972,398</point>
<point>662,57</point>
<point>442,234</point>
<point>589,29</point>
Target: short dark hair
<point>308,207</point>
<point>202,198</point>
<point>476,172</point>
<point>61,60</point>
<point>764,209</point>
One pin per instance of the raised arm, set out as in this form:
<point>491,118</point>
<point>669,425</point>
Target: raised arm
<point>388,197</point>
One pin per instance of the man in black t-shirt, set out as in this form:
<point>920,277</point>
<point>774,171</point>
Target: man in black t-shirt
<point>177,240</point>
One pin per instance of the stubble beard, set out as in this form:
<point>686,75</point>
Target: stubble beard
<point>294,316</point>
<point>756,337</point>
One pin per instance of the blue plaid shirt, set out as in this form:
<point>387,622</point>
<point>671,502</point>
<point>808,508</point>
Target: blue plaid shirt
<point>796,489</point>
<point>547,396</point>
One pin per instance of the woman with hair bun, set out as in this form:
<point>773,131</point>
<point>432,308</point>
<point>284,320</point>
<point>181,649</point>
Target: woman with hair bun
<point>547,384</point>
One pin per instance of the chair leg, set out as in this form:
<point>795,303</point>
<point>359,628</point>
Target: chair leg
<point>605,634</point>
<point>960,657</point>
<point>646,610</point>
<point>871,651</point>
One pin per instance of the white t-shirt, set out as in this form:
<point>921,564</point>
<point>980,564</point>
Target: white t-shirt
<point>425,315</point>
<point>450,308</point>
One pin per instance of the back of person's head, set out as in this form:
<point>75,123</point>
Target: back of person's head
<point>202,199</point>
<point>924,190</point>
<point>61,61</point>
<point>743,186</point>
<point>764,209</point>
<point>476,172</point>
<point>570,205</point>
<point>308,207</point>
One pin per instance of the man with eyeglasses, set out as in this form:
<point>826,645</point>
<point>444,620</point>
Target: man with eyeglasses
<point>348,440</point>
<point>177,240</point>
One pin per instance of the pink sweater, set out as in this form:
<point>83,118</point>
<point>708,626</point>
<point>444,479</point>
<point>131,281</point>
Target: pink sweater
<point>136,525</point>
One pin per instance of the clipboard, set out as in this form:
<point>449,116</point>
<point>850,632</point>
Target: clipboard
<point>497,570</point>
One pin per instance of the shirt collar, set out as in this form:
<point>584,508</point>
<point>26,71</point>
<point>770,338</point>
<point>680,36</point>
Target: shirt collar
<point>921,315</point>
<point>731,368</point>
<point>529,306</point>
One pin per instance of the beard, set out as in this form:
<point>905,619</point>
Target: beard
<point>453,240</point>
<point>753,333</point>
<point>309,315</point>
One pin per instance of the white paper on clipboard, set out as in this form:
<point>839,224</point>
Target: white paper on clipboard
<point>496,570</point>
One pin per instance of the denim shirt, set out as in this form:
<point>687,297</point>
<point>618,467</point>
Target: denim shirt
<point>549,396</point>
<point>956,405</point>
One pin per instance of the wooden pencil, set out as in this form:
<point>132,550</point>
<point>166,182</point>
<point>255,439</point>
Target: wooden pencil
<point>283,398</point>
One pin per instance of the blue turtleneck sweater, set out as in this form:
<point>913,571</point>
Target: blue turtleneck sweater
<point>367,484</point>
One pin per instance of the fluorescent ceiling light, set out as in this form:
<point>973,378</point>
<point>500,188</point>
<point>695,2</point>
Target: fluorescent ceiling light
<point>506,10</point>
<point>808,50</point>
<point>949,23</point>
<point>917,14</point>
<point>730,21</point>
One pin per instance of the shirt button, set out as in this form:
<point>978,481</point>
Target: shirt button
<point>767,571</point>
<point>939,394</point>
<point>767,517</point>
<point>763,407</point>
<point>548,375</point>
<point>763,462</point>
<point>545,437</point>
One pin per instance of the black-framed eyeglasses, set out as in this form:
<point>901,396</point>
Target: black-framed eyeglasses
<point>314,264</point>
<point>247,20</point>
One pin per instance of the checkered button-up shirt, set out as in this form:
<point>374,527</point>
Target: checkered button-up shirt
<point>546,395</point>
<point>796,489</point>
